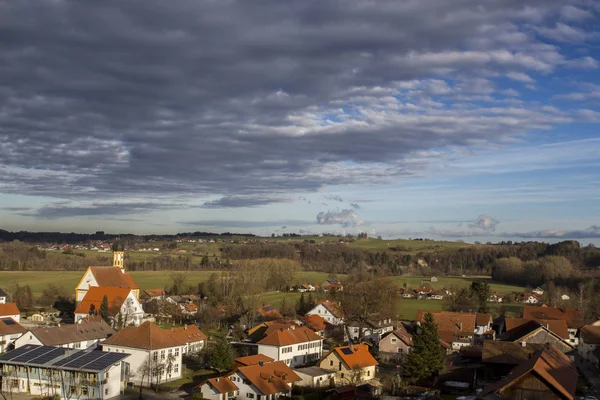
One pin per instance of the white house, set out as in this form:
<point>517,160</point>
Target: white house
<point>263,381</point>
<point>565,297</point>
<point>374,329</point>
<point>10,310</point>
<point>124,308</point>
<point>483,323</point>
<point>192,336</point>
<point>151,349</point>
<point>495,298</point>
<point>329,311</point>
<point>3,296</point>
<point>44,370</point>
<point>10,330</point>
<point>77,336</point>
<point>296,345</point>
<point>589,339</point>
<point>538,290</point>
<point>531,298</point>
<point>314,377</point>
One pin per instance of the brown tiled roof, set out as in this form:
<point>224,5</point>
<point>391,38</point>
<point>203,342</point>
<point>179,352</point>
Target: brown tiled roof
<point>293,335</point>
<point>315,322</point>
<point>499,352</point>
<point>147,336</point>
<point>402,334</point>
<point>550,365</point>
<point>9,309</point>
<point>154,292</point>
<point>358,356</point>
<point>56,336</point>
<point>268,311</point>
<point>9,326</point>
<point>264,329</point>
<point>573,316</point>
<point>253,360</point>
<point>189,334</point>
<point>450,323</point>
<point>590,334</point>
<point>270,378</point>
<point>113,277</point>
<point>333,307</point>
<point>522,326</point>
<point>483,319</point>
<point>116,296</point>
<point>222,384</point>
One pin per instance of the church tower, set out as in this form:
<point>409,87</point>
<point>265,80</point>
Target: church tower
<point>118,248</point>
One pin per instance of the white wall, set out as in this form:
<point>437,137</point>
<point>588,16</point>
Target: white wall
<point>323,312</point>
<point>249,388</point>
<point>131,310</point>
<point>87,281</point>
<point>2,299</point>
<point>138,356</point>
<point>30,338</point>
<point>296,354</point>
<point>5,340</point>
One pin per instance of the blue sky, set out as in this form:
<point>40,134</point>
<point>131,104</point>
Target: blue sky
<point>476,122</point>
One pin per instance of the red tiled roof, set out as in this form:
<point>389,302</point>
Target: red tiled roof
<point>483,319</point>
<point>450,323</point>
<point>315,322</point>
<point>402,334</point>
<point>358,356</point>
<point>550,365</point>
<point>222,384</point>
<point>573,316</point>
<point>293,335</point>
<point>189,334</point>
<point>590,334</point>
<point>116,296</point>
<point>253,360</point>
<point>333,307</point>
<point>113,277</point>
<point>558,327</point>
<point>154,292</point>
<point>90,329</point>
<point>268,311</point>
<point>270,378</point>
<point>147,336</point>
<point>9,309</point>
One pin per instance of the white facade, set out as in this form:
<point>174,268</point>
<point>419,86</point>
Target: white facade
<point>531,300</point>
<point>326,314</point>
<point>294,354</point>
<point>369,332</point>
<point>29,338</point>
<point>314,379</point>
<point>68,385</point>
<point>7,339</point>
<point>248,391</point>
<point>87,281</point>
<point>156,357</point>
<point>131,311</point>
<point>16,317</point>
<point>2,299</point>
<point>208,392</point>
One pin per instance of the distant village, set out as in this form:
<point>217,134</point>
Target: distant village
<point>117,341</point>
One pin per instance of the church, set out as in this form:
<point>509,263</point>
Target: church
<point>118,286</point>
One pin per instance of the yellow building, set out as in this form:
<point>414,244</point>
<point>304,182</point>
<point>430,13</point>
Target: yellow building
<point>352,364</point>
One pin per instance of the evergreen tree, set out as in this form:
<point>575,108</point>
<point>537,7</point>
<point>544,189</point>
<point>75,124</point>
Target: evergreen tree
<point>481,292</point>
<point>301,305</point>
<point>221,355</point>
<point>426,357</point>
<point>104,309</point>
<point>310,303</point>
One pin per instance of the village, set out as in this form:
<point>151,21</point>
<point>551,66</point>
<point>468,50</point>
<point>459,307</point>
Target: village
<point>118,343</point>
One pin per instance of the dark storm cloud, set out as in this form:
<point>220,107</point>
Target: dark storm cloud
<point>65,210</point>
<point>193,98</point>
<point>16,208</point>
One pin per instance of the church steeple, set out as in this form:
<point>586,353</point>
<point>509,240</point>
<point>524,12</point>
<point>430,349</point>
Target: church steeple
<point>118,248</point>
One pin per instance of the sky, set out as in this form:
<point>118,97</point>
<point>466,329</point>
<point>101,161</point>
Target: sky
<point>455,119</point>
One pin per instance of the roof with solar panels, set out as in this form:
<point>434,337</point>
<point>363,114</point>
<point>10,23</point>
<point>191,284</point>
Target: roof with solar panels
<point>61,358</point>
<point>355,356</point>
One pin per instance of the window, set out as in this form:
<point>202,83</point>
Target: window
<point>342,375</point>
<point>176,368</point>
<point>368,373</point>
<point>162,355</point>
<point>177,352</point>
<point>155,356</point>
<point>106,391</point>
<point>170,351</point>
<point>331,363</point>
<point>250,395</point>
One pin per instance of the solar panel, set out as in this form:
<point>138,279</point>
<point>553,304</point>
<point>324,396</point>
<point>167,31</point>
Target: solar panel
<point>78,362</point>
<point>49,356</point>
<point>346,351</point>
<point>8,321</point>
<point>31,354</point>
<point>16,353</point>
<point>268,308</point>
<point>71,358</point>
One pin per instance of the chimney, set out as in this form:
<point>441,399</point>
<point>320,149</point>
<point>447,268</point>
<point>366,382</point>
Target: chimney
<point>351,346</point>
<point>217,380</point>
<point>185,327</point>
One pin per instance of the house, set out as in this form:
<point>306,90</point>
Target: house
<point>396,343</point>
<point>501,357</point>
<point>305,288</point>
<point>329,311</point>
<point>332,285</point>
<point>108,276</point>
<point>296,345</point>
<point>251,360</point>
<point>124,307</point>
<point>192,336</point>
<point>264,329</point>
<point>219,388</point>
<point>436,295</point>
<point>522,331</point>
<point>315,377</point>
<point>78,336</point>
<point>408,295</point>
<point>151,294</point>
<point>589,340</point>
<point>10,310</point>
<point>483,325</point>
<point>423,291</point>
<point>455,329</point>
<point>496,297</point>
<point>572,316</point>
<point>433,279</point>
<point>565,297</point>
<point>352,364</point>
<point>316,323</point>
<point>531,298</point>
<point>538,290</point>
<point>10,330</point>
<point>548,374</point>
<point>267,313</point>
<point>68,374</point>
<point>3,296</point>
<point>151,348</point>
<point>373,329</point>
<point>267,381</point>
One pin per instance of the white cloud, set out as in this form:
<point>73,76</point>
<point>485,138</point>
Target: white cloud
<point>573,13</point>
<point>520,77</point>
<point>563,33</point>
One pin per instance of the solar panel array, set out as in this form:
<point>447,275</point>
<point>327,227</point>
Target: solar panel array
<point>61,358</point>
<point>347,351</point>
<point>8,321</point>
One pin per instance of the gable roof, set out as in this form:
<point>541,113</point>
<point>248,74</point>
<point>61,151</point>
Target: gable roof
<point>222,384</point>
<point>270,378</point>
<point>147,336</point>
<point>450,323</point>
<point>188,334</point>
<point>266,328</point>
<point>516,328</point>
<point>590,334</point>
<point>332,307</point>
<point>116,296</point>
<point>355,356</point>
<point>483,319</point>
<point>550,365</point>
<point>573,316</point>
<point>9,326</point>
<point>292,335</point>
<point>56,336</point>
<point>499,352</point>
<point>9,309</point>
<point>113,277</point>
<point>402,334</point>
<point>315,321</point>
<point>253,360</point>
